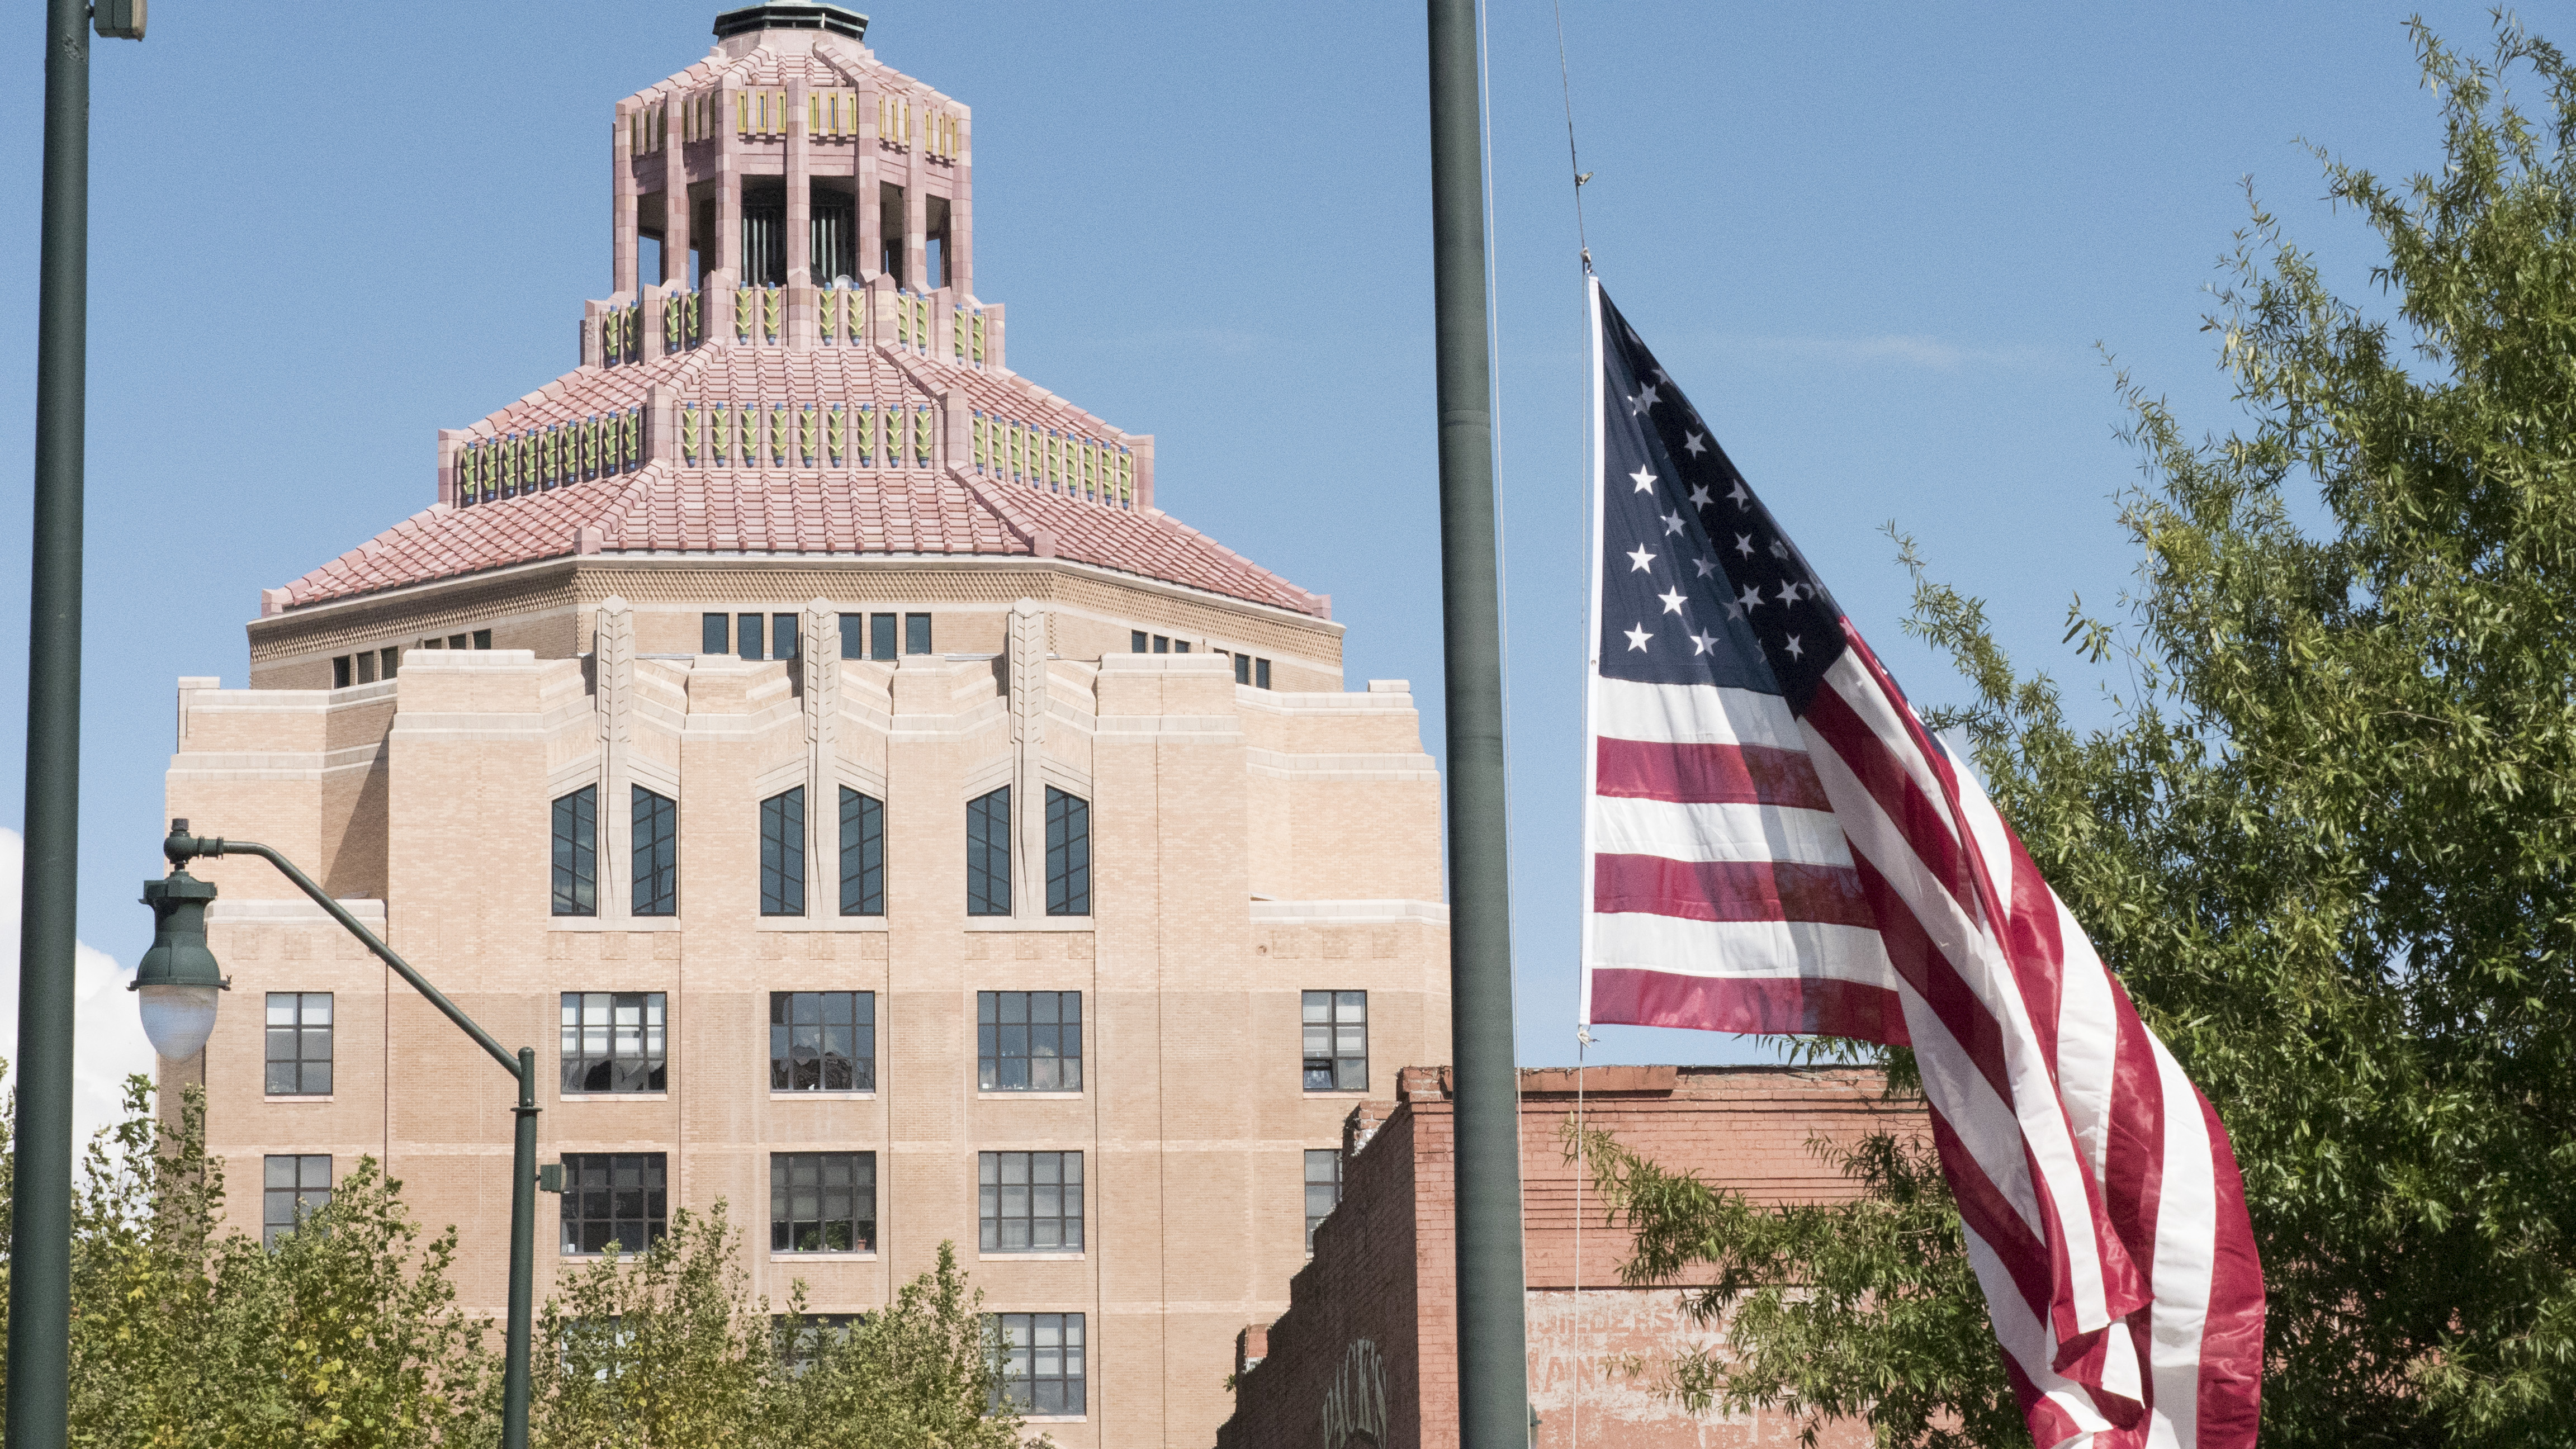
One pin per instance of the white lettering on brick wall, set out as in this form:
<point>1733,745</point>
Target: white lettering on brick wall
<point>1354,1415</point>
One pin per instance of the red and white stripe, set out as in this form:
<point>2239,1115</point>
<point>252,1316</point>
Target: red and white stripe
<point>1835,872</point>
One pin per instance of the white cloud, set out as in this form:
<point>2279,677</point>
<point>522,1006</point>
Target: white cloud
<point>108,1042</point>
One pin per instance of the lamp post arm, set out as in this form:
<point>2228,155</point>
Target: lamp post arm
<point>183,848</point>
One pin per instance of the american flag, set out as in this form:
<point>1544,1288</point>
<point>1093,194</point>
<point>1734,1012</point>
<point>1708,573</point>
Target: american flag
<point>1776,844</point>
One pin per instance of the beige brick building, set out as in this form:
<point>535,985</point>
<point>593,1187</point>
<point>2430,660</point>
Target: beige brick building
<point>809,735</point>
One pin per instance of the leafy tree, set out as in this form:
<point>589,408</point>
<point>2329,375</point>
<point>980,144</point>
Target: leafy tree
<point>923,1374</point>
<point>2327,840</point>
<point>657,1350</point>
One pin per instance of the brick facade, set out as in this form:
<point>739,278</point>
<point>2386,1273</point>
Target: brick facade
<point>1367,1352</point>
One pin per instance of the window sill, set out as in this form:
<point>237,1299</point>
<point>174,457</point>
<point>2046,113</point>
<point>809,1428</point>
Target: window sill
<point>612,1097</point>
<point>856,925</point>
<point>284,1097</point>
<point>779,1096</point>
<point>777,1256</point>
<point>1029,923</point>
<point>1004,1255</point>
<point>994,1094</point>
<point>1055,1418</point>
<point>1337,1091</point>
<point>581,924</point>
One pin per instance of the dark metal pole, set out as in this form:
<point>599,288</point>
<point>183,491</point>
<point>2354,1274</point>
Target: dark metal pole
<point>40,1271</point>
<point>180,848</point>
<point>523,1258</point>
<point>1493,1361</point>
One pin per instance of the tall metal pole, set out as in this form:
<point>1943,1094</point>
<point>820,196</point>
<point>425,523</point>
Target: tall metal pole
<point>523,1258</point>
<point>1493,1361</point>
<point>41,1198</point>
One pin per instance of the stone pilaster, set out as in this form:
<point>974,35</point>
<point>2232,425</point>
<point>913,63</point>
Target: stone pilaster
<point>1028,660</point>
<point>819,659</point>
<point>612,657</point>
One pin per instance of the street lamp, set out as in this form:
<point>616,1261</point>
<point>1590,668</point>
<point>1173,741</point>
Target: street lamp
<point>178,986</point>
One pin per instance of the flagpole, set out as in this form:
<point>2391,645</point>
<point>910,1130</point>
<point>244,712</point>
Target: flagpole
<point>1493,1361</point>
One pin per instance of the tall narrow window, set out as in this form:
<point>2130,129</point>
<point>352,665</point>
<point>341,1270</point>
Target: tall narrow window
<point>1068,847</point>
<point>988,854</point>
<point>341,678</point>
<point>366,666</point>
<point>392,657</point>
<point>782,853</point>
<point>1042,1362</point>
<point>854,636</point>
<point>614,1042</point>
<point>1261,673</point>
<point>1031,1201</point>
<point>881,637</point>
<point>1323,1189</point>
<point>618,1197</point>
<point>747,636</point>
<point>1243,669</point>
<point>862,854</point>
<point>715,635</point>
<point>293,1186</point>
<point>822,1202</point>
<point>916,633</point>
<point>1336,1028</point>
<point>482,638</point>
<point>782,636</point>
<point>1028,1041</point>
<point>1136,641</point>
<point>577,852</point>
<point>657,854</point>
<point>299,1043</point>
<point>822,1041</point>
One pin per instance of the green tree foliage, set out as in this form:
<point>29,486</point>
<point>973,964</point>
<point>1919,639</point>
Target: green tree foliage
<point>924,1374</point>
<point>2328,839</point>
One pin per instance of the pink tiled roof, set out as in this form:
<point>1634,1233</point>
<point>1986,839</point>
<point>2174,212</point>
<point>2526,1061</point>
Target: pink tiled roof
<point>833,62</point>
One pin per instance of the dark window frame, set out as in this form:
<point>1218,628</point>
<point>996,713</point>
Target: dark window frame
<point>299,1035</point>
<point>1068,853</point>
<point>988,853</point>
<point>750,635</point>
<point>656,841</point>
<point>862,854</point>
<point>916,634</point>
<point>592,1182</point>
<point>285,1206</point>
<point>1329,1160</point>
<point>593,1045</point>
<point>789,1229</point>
<point>1026,1354</point>
<point>800,1021</point>
<point>1342,1070</point>
<point>576,858</point>
<point>1007,1033</point>
<point>715,633</point>
<point>1038,1193</point>
<point>782,853</point>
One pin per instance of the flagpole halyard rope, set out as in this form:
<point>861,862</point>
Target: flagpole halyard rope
<point>1573,162</point>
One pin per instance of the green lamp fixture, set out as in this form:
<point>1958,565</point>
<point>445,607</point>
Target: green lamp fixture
<point>176,985</point>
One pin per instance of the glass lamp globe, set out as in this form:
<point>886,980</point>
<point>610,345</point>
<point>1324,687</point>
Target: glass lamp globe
<point>176,984</point>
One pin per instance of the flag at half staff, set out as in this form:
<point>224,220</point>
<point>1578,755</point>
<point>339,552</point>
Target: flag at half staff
<point>1774,843</point>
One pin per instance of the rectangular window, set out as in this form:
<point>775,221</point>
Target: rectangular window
<point>657,854</point>
<point>799,1346</point>
<point>1032,1201</point>
<point>1336,1041</point>
<point>822,1202</point>
<point>782,853</point>
<point>881,629</point>
<point>341,675</point>
<point>822,1041</point>
<point>1261,673</point>
<point>782,636</point>
<point>299,1043</point>
<point>854,636</point>
<point>455,641</point>
<point>1136,641</point>
<point>916,633</point>
<point>292,1187</point>
<point>577,853</point>
<point>1180,646</point>
<point>483,639</point>
<point>747,636</point>
<point>1323,1189</point>
<point>862,854</point>
<point>1162,644</point>
<point>715,634</point>
<point>1028,1041</point>
<point>366,666</point>
<point>434,642</point>
<point>613,1041</point>
<point>613,1197</point>
<point>988,854</point>
<point>1243,669</point>
<point>1068,858</point>
<point>391,658</point>
<point>1042,1362</point>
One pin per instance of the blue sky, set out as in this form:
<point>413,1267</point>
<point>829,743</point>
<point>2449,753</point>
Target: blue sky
<point>1884,248</point>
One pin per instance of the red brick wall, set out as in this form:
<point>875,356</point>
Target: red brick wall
<point>1384,1273</point>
